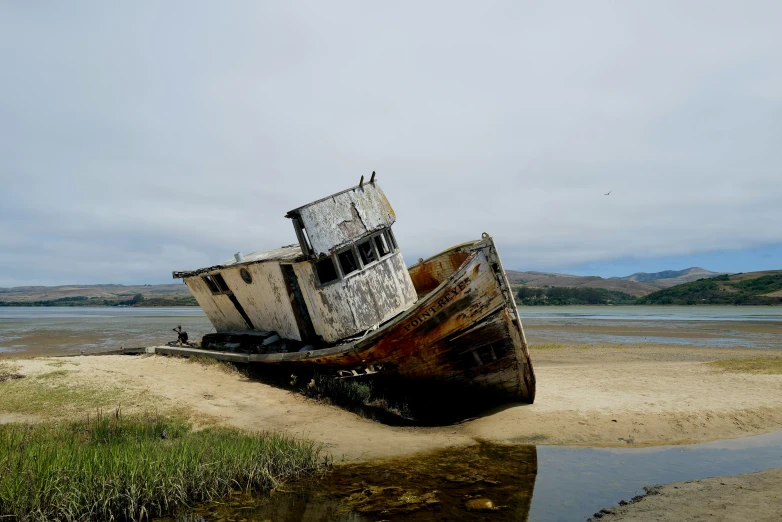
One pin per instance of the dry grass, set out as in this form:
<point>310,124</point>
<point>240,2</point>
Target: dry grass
<point>548,346</point>
<point>556,346</point>
<point>209,362</point>
<point>8,367</point>
<point>60,364</point>
<point>763,365</point>
<point>52,374</point>
<point>53,395</point>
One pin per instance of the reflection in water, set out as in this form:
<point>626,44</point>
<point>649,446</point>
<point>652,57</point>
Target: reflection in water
<point>452,484</point>
<point>569,483</point>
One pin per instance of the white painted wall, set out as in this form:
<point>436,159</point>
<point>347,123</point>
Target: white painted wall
<point>360,301</point>
<point>265,301</point>
<point>218,308</point>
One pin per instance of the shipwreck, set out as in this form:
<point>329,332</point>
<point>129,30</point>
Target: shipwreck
<point>342,300</point>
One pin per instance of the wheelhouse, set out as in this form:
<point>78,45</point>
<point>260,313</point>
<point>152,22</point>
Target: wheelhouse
<point>345,276</point>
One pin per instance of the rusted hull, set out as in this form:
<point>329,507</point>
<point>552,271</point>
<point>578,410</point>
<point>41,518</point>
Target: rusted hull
<point>465,331</point>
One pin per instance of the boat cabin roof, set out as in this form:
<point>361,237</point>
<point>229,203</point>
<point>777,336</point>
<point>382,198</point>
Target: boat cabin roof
<point>329,224</point>
<point>324,227</point>
<point>285,254</point>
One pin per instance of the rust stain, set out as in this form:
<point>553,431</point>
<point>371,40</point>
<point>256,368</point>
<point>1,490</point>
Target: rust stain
<point>429,274</point>
<point>462,333</point>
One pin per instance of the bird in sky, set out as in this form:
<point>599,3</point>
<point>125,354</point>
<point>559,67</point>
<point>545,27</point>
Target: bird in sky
<point>607,193</point>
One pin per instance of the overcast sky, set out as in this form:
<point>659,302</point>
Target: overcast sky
<point>146,137</point>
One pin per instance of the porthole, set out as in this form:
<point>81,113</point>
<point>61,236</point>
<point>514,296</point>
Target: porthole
<point>246,275</point>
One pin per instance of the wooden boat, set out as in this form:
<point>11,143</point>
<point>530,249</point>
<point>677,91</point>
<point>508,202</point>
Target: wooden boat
<point>343,301</point>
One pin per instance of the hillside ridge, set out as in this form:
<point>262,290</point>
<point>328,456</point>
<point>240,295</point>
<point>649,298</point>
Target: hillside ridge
<point>752,288</point>
<point>668,278</point>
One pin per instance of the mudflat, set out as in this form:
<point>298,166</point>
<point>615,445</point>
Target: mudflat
<point>587,395</point>
<point>752,496</point>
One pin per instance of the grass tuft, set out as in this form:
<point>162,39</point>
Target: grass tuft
<point>342,392</point>
<point>54,373</point>
<point>765,365</point>
<point>223,366</point>
<point>549,346</point>
<point>135,468</point>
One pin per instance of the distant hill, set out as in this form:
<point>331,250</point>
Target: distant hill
<point>549,279</point>
<point>97,295</point>
<point>668,278</point>
<point>752,288</point>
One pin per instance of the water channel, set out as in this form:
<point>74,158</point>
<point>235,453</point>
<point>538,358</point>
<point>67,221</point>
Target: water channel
<point>525,482</point>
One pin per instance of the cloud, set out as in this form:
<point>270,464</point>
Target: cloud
<point>146,138</point>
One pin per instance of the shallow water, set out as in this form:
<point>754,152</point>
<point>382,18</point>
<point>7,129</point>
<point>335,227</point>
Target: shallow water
<point>56,330</point>
<point>704,326</point>
<point>653,313</point>
<point>543,483</point>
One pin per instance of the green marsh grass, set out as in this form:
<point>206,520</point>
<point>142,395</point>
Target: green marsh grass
<point>765,365</point>
<point>134,468</point>
<point>342,392</point>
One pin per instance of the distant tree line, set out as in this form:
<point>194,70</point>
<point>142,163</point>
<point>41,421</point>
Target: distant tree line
<point>559,296</point>
<point>137,300</point>
<point>719,290</point>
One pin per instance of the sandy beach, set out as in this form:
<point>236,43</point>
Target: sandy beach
<point>616,396</point>
<point>620,395</point>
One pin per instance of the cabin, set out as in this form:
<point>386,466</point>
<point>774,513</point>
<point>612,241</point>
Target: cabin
<point>344,277</point>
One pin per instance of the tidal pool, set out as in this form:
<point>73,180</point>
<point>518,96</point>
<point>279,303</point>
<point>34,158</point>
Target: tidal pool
<point>494,482</point>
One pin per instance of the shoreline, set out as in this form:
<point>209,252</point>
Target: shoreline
<point>599,396</point>
<point>587,395</point>
<point>747,496</point>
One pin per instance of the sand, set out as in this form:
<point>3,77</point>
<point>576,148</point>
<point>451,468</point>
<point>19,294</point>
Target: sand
<point>586,395</point>
<point>754,496</point>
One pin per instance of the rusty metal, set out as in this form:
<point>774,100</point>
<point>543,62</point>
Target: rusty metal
<point>449,319</point>
<point>469,314</point>
<point>466,332</point>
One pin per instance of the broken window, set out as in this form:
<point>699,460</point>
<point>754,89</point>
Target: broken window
<point>382,246</point>
<point>391,239</point>
<point>301,234</point>
<point>326,271</point>
<point>366,252</point>
<point>211,284</point>
<point>220,282</point>
<point>347,261</point>
<point>307,241</point>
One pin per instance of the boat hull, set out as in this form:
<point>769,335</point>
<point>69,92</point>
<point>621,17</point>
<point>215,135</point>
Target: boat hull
<point>464,331</point>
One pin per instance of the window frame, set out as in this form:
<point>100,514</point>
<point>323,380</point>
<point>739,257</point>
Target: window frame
<point>356,257</point>
<point>388,240</point>
<point>381,236</point>
<point>334,264</point>
<point>215,286</point>
<point>391,240</point>
<point>210,284</point>
<point>371,241</point>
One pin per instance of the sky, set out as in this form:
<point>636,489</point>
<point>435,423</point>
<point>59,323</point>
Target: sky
<point>146,137</point>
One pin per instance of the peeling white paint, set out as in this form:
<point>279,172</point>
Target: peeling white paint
<point>346,307</point>
<point>218,308</point>
<point>266,300</point>
<point>334,222</point>
<point>360,301</point>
